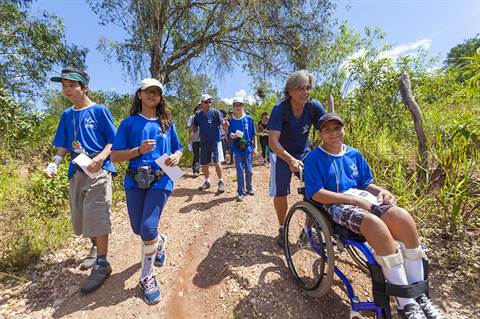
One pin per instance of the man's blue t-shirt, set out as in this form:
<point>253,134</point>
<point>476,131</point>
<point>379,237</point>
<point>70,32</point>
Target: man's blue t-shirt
<point>294,132</point>
<point>208,125</point>
<point>137,128</point>
<point>92,127</point>
<point>336,173</point>
<point>246,125</point>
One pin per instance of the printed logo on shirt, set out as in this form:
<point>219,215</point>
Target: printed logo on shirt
<point>89,123</point>
<point>161,134</point>
<point>305,129</point>
<point>354,169</point>
<point>209,121</point>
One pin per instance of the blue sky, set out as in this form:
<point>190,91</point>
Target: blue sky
<point>436,25</point>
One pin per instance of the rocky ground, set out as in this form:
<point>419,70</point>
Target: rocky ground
<point>222,262</point>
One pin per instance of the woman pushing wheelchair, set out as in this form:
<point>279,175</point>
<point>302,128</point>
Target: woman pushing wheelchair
<point>334,173</point>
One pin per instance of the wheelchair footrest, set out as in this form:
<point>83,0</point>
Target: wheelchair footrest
<point>407,291</point>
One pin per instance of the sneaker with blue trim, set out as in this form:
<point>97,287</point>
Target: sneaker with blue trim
<point>161,254</point>
<point>150,289</point>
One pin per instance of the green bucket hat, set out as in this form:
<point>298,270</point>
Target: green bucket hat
<point>72,74</point>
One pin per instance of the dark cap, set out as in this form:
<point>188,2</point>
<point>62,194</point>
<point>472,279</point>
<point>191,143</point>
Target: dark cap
<point>329,117</point>
<point>72,74</point>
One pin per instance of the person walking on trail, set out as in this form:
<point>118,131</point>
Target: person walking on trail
<point>194,137</point>
<point>87,128</point>
<point>289,127</point>
<point>208,121</point>
<point>242,132</point>
<point>334,173</point>
<point>143,137</point>
<point>262,132</point>
<point>224,137</point>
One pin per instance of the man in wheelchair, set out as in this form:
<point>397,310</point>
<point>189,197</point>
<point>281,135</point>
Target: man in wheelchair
<point>335,168</point>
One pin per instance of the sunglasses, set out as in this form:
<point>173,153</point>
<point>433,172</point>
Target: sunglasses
<point>207,101</point>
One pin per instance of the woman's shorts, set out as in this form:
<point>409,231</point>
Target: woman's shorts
<point>351,217</point>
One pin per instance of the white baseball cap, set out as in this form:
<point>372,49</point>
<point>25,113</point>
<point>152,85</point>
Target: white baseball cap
<point>205,97</point>
<point>237,100</point>
<point>149,82</point>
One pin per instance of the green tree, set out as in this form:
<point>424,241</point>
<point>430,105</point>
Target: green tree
<point>30,47</point>
<point>471,69</point>
<point>455,56</point>
<point>164,36</point>
<point>189,86</point>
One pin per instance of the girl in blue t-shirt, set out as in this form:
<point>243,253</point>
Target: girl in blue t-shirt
<point>147,134</point>
<point>242,132</point>
<point>339,177</point>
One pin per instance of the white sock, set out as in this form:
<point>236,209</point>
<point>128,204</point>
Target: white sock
<point>413,269</point>
<point>397,276</point>
<point>221,180</point>
<point>147,264</point>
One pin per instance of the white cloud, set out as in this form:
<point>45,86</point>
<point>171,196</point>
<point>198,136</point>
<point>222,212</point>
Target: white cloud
<point>249,99</point>
<point>405,48</point>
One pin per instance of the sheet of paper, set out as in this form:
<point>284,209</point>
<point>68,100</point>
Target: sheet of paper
<point>364,194</point>
<point>174,172</point>
<point>83,161</point>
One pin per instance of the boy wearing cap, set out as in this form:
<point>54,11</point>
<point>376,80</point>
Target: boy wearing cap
<point>334,173</point>
<point>242,132</point>
<point>288,130</point>
<point>87,128</point>
<point>209,120</point>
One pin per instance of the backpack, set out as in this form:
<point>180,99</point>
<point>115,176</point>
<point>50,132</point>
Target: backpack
<point>311,109</point>
<point>216,115</point>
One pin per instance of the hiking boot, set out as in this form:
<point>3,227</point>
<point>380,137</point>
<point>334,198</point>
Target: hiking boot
<point>280,239</point>
<point>240,198</point>
<point>90,260</point>
<point>429,309</point>
<point>204,186</point>
<point>161,255</point>
<point>96,278</point>
<point>250,193</point>
<point>150,289</point>
<point>411,311</point>
<point>221,187</point>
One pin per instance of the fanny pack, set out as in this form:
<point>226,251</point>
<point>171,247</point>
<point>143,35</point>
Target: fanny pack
<point>145,176</point>
<point>242,145</point>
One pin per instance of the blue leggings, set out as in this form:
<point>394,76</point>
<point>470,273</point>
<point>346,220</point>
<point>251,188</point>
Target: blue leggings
<point>145,207</point>
<point>243,165</point>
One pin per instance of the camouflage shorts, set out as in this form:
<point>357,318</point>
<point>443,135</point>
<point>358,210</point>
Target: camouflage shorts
<point>351,217</point>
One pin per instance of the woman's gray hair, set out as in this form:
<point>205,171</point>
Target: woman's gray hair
<point>298,79</point>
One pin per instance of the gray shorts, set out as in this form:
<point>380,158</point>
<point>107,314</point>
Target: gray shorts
<point>351,217</point>
<point>91,203</point>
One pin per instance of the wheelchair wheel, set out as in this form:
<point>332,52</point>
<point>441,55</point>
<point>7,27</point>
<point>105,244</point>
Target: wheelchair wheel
<point>359,258</point>
<point>309,248</point>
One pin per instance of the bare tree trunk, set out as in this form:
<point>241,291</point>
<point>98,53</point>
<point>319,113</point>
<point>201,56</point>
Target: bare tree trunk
<point>409,100</point>
<point>331,103</point>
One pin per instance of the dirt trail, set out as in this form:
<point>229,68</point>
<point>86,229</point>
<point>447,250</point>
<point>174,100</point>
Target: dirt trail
<point>222,263</point>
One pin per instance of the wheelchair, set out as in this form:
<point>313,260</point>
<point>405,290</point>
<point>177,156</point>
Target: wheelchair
<point>311,240</point>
